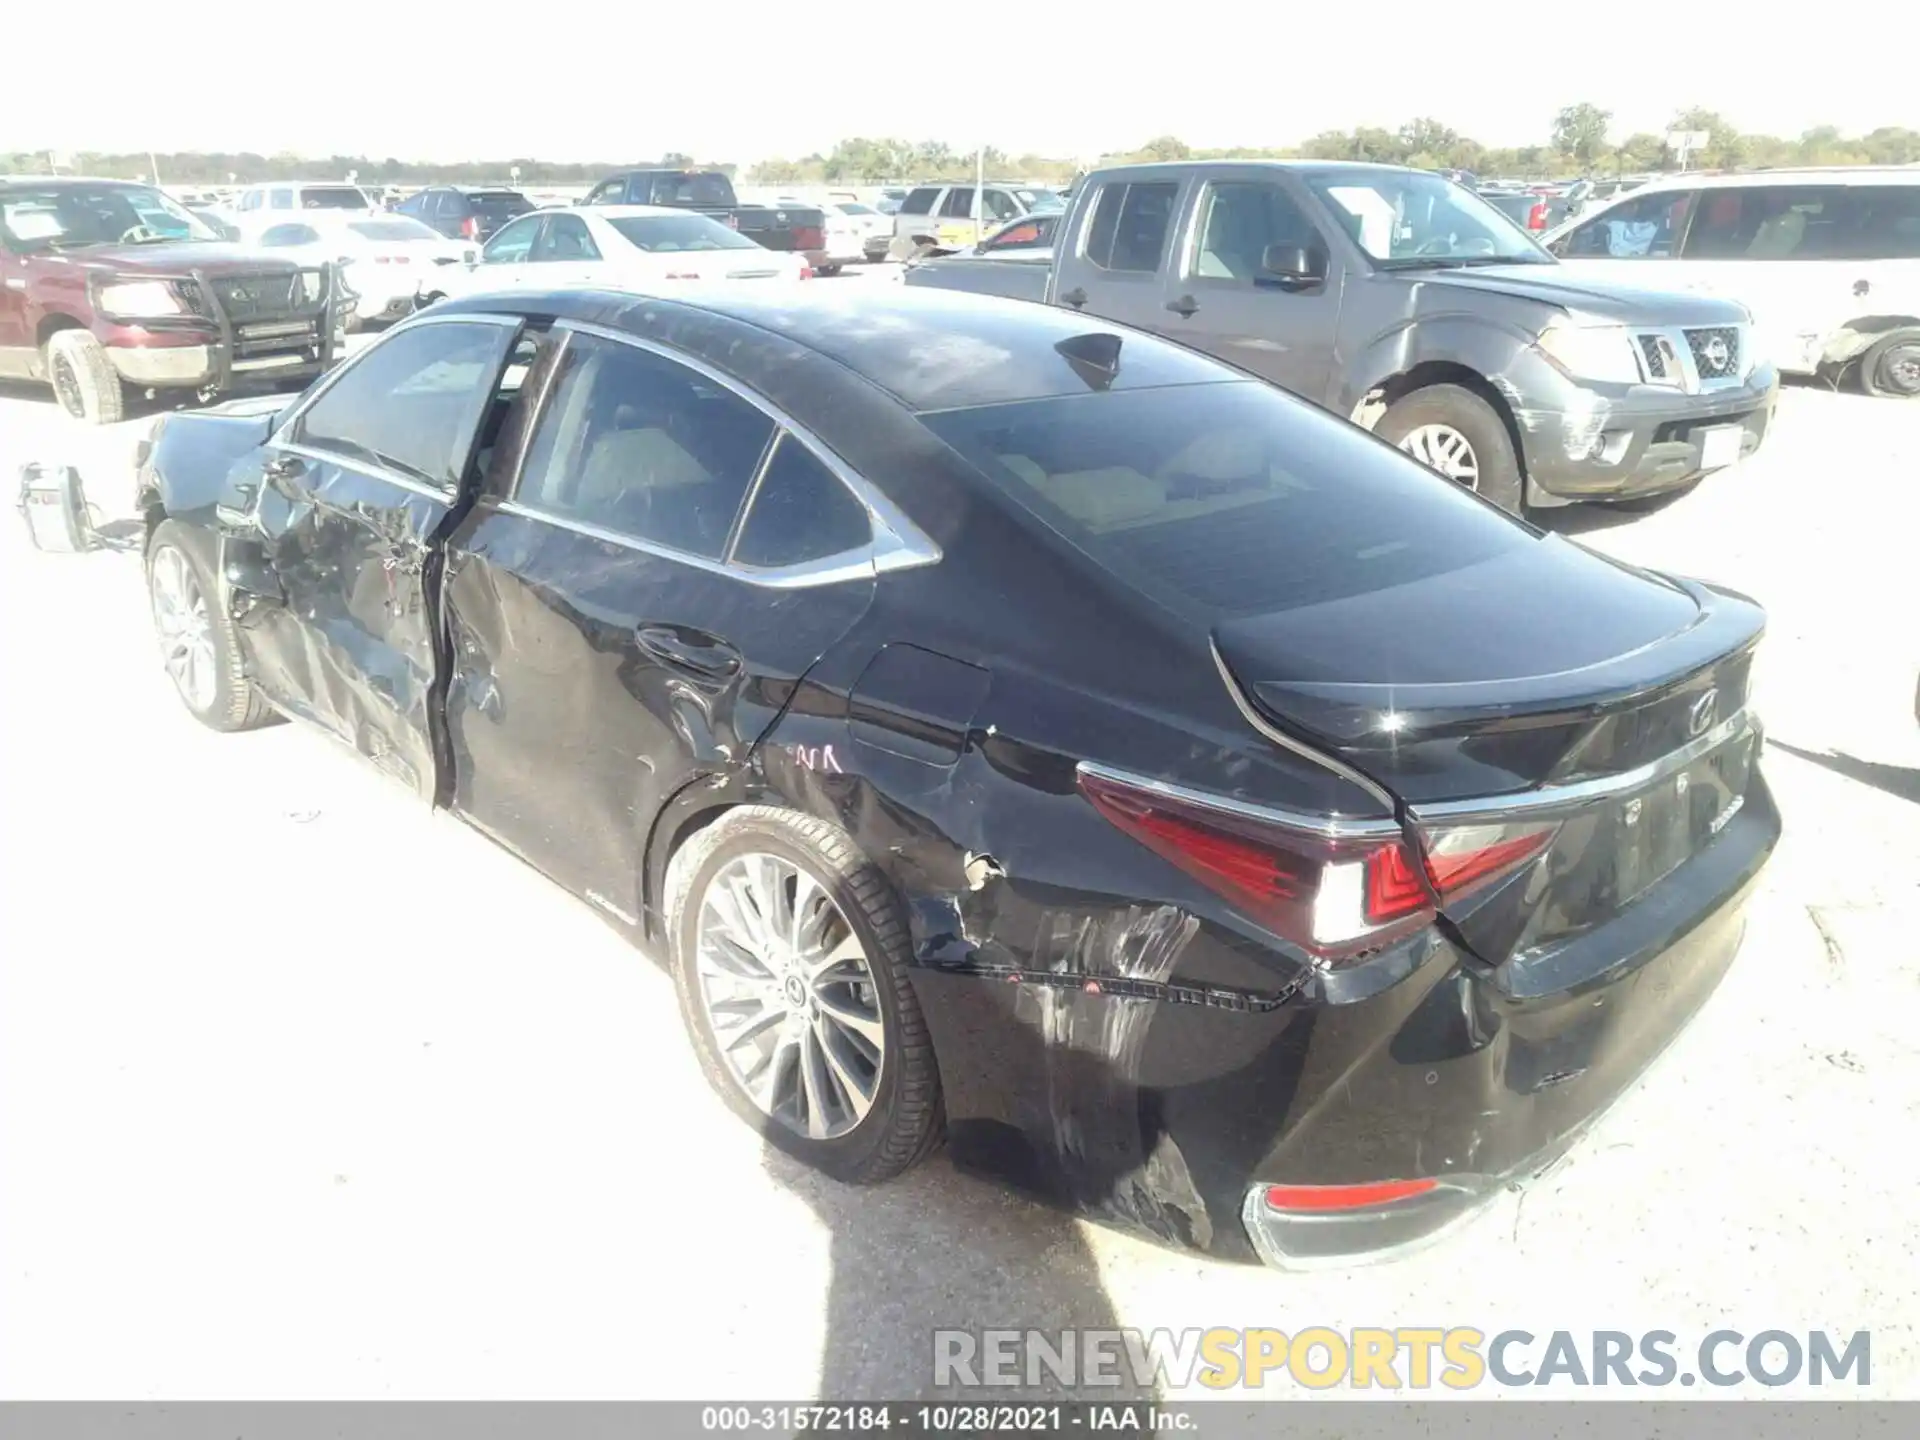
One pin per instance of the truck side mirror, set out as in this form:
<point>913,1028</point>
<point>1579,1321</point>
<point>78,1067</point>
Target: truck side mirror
<point>1293,266</point>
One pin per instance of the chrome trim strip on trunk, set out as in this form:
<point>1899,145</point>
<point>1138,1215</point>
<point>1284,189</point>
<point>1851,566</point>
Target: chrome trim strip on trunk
<point>1299,747</point>
<point>1589,792</point>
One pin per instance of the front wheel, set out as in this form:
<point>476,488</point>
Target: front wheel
<point>1891,369</point>
<point>198,644</point>
<point>790,958</point>
<point>83,377</point>
<point>1455,432</point>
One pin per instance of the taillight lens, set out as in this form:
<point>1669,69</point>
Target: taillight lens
<point>470,227</point>
<point>1537,218</point>
<point>1338,897</point>
<point>806,272</point>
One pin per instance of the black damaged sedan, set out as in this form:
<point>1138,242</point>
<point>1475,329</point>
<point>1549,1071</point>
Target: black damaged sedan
<point>1017,730</point>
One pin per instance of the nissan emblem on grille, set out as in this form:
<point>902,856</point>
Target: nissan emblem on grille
<point>1715,353</point>
<point>1701,715</point>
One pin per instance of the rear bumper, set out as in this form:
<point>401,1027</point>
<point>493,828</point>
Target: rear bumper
<point>1637,442</point>
<point>1173,1118</point>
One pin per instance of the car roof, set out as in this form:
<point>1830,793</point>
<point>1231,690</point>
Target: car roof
<point>42,181</point>
<point>1302,167</point>
<point>629,212</point>
<point>1787,175</point>
<point>931,349</point>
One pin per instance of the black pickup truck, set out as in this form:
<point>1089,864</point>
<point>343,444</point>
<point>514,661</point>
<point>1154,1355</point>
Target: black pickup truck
<point>781,227</point>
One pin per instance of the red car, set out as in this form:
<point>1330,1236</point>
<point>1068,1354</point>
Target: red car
<point>108,284</point>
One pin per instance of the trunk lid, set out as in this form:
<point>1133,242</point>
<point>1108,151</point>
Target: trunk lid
<point>1585,719</point>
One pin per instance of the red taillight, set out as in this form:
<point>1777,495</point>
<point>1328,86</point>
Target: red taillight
<point>1335,895</point>
<point>806,272</point>
<point>470,227</point>
<point>1537,217</point>
<point>733,221</point>
<point>809,237</point>
<point>1345,1197</point>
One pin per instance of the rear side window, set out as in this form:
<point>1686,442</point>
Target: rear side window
<point>638,444</point>
<point>565,238</point>
<point>920,202</point>
<point>333,197</point>
<point>1769,222</point>
<point>412,403</point>
<point>801,512</point>
<point>1890,228</point>
<point>959,203</point>
<point>1130,224</point>
<point>1233,498</point>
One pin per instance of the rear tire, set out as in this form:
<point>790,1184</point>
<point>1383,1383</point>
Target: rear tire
<point>199,644</point>
<point>1432,424</point>
<point>904,1119</point>
<point>824,270</point>
<point>83,378</point>
<point>1891,369</point>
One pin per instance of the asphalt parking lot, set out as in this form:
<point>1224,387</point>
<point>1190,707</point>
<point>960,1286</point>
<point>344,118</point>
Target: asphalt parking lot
<point>306,1092</point>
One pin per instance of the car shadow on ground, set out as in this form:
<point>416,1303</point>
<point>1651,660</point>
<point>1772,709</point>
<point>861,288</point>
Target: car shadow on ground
<point>895,1282</point>
<point>1899,781</point>
<point>138,405</point>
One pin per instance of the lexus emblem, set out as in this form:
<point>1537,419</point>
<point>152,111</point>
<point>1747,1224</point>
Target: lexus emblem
<point>1701,715</point>
<point>1716,353</point>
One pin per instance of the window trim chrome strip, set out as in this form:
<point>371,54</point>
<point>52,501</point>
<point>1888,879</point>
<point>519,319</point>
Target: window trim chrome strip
<point>372,469</point>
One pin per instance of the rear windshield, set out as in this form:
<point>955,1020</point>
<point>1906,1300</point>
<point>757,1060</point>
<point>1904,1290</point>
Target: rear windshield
<point>505,203</point>
<point>394,227</point>
<point>334,197</point>
<point>715,190</point>
<point>680,232</point>
<point>1236,498</point>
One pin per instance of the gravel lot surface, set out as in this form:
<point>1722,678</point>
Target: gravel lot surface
<point>306,1092</point>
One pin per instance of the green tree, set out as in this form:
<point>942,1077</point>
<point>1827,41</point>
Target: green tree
<point>1580,132</point>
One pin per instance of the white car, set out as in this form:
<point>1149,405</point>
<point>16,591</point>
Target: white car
<point>649,249</point>
<point>259,206</point>
<point>1828,261</point>
<point>874,230</point>
<point>385,261</point>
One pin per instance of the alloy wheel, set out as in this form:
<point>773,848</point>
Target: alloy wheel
<point>788,992</point>
<point>185,629</point>
<point>1445,449</point>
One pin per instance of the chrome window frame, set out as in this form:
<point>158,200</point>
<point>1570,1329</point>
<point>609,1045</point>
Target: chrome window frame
<point>279,441</point>
<point>896,543</point>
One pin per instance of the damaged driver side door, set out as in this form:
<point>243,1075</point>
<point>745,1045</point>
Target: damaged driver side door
<point>335,561</point>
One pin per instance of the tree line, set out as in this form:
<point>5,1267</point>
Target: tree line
<point>1579,141</point>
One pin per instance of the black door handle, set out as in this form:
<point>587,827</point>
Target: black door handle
<point>1861,287</point>
<point>1183,307</point>
<point>706,662</point>
<point>1075,297</point>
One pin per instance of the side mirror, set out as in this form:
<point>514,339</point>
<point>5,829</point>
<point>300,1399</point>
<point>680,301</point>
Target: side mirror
<point>1293,266</point>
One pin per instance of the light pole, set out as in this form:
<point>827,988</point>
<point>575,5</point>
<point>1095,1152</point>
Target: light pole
<point>979,191</point>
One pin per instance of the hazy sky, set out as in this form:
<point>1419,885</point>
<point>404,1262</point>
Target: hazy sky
<point>744,79</point>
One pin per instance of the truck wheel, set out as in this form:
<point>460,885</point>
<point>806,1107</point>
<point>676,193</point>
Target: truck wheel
<point>83,378</point>
<point>197,640</point>
<point>1891,369</point>
<point>790,958</point>
<point>828,269</point>
<point>1455,432</point>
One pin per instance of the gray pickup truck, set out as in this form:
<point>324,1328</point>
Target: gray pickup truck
<point>1404,302</point>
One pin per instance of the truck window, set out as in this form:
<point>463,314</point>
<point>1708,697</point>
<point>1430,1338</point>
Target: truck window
<point>920,202</point>
<point>999,205</point>
<point>713,191</point>
<point>1890,225</point>
<point>1771,222</point>
<point>959,203</point>
<point>1240,219</point>
<point>1648,227</point>
<point>1130,224</point>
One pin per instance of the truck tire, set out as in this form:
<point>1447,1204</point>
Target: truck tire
<point>198,642</point>
<point>83,378</point>
<point>859,1100</point>
<point>1891,369</point>
<point>1457,433</point>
